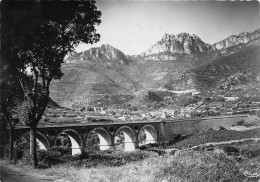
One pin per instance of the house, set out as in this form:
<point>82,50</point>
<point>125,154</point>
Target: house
<point>230,98</point>
<point>98,109</point>
<point>120,112</point>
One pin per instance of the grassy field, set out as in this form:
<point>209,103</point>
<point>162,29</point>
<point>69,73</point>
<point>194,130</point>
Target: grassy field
<point>235,161</point>
<point>219,164</point>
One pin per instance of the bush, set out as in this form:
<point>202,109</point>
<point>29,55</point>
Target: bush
<point>62,150</point>
<point>231,150</point>
<point>26,158</point>
<point>62,155</point>
<point>199,166</point>
<point>108,158</point>
<point>46,119</point>
<point>251,152</point>
<point>240,123</point>
<point>54,115</point>
<point>49,157</point>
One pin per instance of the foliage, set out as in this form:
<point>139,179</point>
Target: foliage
<point>39,41</point>
<point>103,158</point>
<point>36,37</point>
<point>199,166</point>
<point>152,96</point>
<point>62,150</point>
<point>251,152</point>
<point>227,71</point>
<point>231,150</point>
<point>185,100</point>
<point>62,155</point>
<point>215,136</point>
<point>182,166</point>
<point>11,94</point>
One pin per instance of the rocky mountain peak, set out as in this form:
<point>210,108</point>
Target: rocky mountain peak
<point>106,47</point>
<point>181,43</point>
<point>234,40</point>
<point>191,43</point>
<point>105,53</point>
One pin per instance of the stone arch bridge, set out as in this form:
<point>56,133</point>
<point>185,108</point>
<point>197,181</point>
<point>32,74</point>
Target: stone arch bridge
<point>155,131</point>
<point>79,133</point>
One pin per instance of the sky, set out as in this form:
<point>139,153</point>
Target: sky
<point>134,26</point>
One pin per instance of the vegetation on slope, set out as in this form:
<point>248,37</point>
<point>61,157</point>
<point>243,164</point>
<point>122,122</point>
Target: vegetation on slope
<point>216,165</point>
<point>94,79</point>
<point>215,136</point>
<point>235,69</point>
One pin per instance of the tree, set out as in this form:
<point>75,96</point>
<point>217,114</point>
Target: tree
<point>9,98</point>
<point>36,36</point>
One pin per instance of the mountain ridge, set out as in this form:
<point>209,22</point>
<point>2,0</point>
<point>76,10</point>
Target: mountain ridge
<point>105,76</point>
<point>234,40</point>
<point>191,43</point>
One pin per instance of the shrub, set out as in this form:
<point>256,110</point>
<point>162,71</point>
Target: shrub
<point>251,152</point>
<point>26,158</point>
<point>62,155</point>
<point>108,158</point>
<point>46,119</point>
<point>240,123</point>
<point>54,115</point>
<point>50,157</point>
<point>199,166</point>
<point>62,150</point>
<point>231,150</point>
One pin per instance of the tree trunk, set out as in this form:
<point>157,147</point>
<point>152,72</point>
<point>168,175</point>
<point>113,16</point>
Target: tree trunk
<point>33,147</point>
<point>11,143</point>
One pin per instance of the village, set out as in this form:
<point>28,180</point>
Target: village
<point>203,108</point>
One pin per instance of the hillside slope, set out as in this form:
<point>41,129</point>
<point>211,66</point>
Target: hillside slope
<point>97,76</point>
<point>105,76</point>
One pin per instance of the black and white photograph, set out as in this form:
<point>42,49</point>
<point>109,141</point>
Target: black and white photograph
<point>129,91</point>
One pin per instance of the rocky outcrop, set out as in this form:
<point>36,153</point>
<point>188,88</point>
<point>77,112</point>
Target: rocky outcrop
<point>105,53</point>
<point>181,43</point>
<point>190,44</point>
<point>234,40</point>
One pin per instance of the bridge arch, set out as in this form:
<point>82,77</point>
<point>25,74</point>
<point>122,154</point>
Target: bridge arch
<point>75,139</point>
<point>150,135</point>
<point>105,141</point>
<point>41,139</point>
<point>129,137</point>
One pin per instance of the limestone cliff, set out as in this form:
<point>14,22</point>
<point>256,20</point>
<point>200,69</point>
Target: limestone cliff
<point>234,40</point>
<point>181,43</point>
<point>105,54</point>
<point>192,44</point>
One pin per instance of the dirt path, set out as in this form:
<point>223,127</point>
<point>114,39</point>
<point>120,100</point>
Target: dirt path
<point>224,142</point>
<point>10,175</point>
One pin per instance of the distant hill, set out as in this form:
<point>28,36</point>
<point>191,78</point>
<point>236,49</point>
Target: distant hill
<point>105,76</point>
<point>97,76</point>
<point>104,54</point>
<point>223,72</point>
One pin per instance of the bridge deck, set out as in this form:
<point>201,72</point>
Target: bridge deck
<point>55,125</point>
